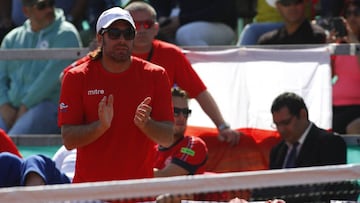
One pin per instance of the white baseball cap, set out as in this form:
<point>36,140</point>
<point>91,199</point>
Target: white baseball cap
<point>111,15</point>
<point>272,3</point>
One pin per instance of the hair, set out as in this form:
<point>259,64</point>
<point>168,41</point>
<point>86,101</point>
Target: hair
<point>348,3</point>
<point>178,92</point>
<point>141,6</point>
<point>290,100</point>
<point>28,2</point>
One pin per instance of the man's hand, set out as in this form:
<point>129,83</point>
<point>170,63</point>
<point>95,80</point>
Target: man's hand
<point>142,114</point>
<point>8,114</point>
<point>21,111</point>
<point>230,136</point>
<point>106,111</point>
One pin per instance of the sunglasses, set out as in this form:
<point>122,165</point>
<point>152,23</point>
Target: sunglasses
<point>44,4</point>
<point>114,33</point>
<point>147,24</point>
<point>185,111</point>
<point>290,2</point>
<point>355,12</point>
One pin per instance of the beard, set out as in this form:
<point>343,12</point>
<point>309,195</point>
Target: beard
<point>117,52</point>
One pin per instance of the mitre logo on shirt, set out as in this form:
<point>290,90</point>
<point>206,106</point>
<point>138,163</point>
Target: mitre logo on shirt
<point>96,92</point>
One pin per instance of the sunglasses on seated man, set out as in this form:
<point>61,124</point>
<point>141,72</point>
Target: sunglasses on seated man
<point>185,111</point>
<point>41,5</point>
<point>115,33</point>
<point>290,2</point>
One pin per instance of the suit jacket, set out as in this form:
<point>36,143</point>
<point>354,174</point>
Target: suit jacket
<point>319,148</point>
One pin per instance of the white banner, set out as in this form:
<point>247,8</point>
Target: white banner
<point>244,82</point>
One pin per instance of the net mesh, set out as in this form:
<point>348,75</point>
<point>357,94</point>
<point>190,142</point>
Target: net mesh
<point>312,184</point>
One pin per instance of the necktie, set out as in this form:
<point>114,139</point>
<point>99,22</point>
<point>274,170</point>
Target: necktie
<point>291,159</point>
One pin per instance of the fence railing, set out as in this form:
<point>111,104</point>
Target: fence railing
<point>74,53</point>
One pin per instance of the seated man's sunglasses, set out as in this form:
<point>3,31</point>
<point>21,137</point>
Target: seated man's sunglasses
<point>114,33</point>
<point>185,111</point>
<point>44,4</point>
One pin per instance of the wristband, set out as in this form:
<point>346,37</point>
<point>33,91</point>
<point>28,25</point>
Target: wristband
<point>223,126</point>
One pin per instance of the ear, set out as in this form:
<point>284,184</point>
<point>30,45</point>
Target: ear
<point>303,114</point>
<point>26,11</point>
<point>99,39</point>
<point>156,28</point>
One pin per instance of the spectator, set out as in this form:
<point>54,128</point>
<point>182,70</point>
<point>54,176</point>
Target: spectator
<point>34,170</point>
<point>267,19</point>
<point>316,147</point>
<point>176,64</point>
<point>73,11</point>
<point>214,22</point>
<point>346,71</point>
<point>303,145</point>
<point>297,29</point>
<point>187,155</point>
<point>18,171</point>
<point>29,90</point>
<point>115,105</point>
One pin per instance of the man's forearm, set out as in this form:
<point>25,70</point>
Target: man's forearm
<point>160,132</point>
<point>75,136</point>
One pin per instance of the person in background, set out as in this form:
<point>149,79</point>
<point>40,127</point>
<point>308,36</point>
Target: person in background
<point>268,19</point>
<point>18,171</point>
<point>297,29</point>
<point>303,144</point>
<point>346,71</point>
<point>187,155</point>
<point>314,146</point>
<point>29,89</point>
<point>178,67</point>
<point>115,105</point>
<point>214,22</point>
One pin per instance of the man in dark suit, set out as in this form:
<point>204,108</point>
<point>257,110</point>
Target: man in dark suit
<point>303,145</point>
<point>315,146</point>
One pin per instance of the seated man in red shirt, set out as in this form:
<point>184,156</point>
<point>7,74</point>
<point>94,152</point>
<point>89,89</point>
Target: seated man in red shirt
<point>188,154</point>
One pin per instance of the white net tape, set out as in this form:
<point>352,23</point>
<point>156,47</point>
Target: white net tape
<point>142,188</point>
